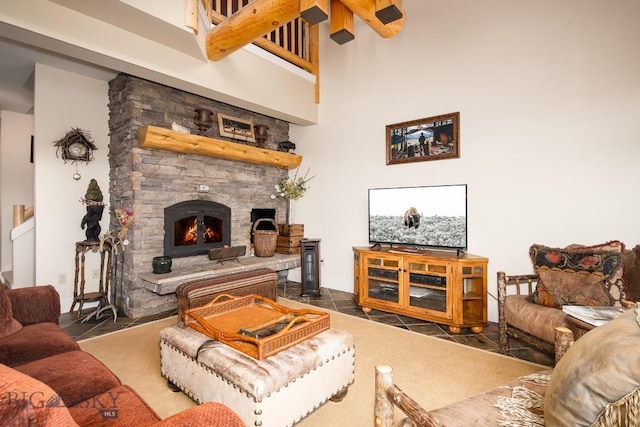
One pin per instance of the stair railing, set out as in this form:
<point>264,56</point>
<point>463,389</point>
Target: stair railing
<point>21,214</point>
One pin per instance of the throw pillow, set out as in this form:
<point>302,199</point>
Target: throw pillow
<point>25,401</point>
<point>632,273</point>
<point>597,381</point>
<point>8,325</point>
<point>579,275</point>
<point>617,286</point>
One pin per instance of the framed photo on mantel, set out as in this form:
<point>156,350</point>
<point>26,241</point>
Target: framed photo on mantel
<point>236,128</point>
<point>431,138</point>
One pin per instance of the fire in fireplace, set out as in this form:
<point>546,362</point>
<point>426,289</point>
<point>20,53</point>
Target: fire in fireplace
<point>195,226</point>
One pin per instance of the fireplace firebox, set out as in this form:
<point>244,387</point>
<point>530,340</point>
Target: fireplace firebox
<point>195,226</point>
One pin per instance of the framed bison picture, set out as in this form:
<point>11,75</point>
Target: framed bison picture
<point>236,128</point>
<point>431,138</point>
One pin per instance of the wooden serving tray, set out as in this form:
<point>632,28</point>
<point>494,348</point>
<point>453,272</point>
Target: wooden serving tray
<point>255,325</point>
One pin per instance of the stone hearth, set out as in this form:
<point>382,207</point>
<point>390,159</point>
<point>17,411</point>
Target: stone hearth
<point>165,284</point>
<point>149,180</point>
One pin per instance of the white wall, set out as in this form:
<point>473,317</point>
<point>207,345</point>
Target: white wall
<point>16,174</point>
<point>549,99</point>
<point>63,101</point>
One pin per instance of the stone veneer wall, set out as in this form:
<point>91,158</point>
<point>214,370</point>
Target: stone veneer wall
<point>148,180</point>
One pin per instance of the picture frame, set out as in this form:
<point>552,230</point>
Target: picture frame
<point>431,138</point>
<point>235,128</point>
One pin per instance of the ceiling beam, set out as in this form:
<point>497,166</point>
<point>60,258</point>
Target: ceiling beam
<point>314,11</point>
<point>340,23</point>
<point>247,24</point>
<point>366,10</point>
<point>388,10</point>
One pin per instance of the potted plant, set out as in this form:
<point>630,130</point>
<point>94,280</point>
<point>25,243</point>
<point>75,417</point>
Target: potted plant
<point>292,189</point>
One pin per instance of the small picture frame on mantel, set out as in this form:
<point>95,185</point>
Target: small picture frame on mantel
<point>431,138</point>
<point>235,128</point>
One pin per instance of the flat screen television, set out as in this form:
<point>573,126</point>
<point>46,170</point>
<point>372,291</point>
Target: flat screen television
<point>428,216</point>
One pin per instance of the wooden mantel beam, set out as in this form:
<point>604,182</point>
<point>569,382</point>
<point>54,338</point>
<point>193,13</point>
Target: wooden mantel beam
<point>247,24</point>
<point>166,139</point>
<point>366,10</point>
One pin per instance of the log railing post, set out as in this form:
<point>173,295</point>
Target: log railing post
<point>389,395</point>
<point>563,340</point>
<point>383,410</point>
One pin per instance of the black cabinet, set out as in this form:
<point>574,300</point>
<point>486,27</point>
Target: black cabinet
<point>310,264</point>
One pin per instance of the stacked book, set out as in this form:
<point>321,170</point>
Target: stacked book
<point>593,315</point>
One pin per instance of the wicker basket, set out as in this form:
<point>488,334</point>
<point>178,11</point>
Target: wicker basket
<point>265,241</point>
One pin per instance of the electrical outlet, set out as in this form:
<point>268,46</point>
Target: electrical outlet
<point>62,278</point>
<point>95,274</point>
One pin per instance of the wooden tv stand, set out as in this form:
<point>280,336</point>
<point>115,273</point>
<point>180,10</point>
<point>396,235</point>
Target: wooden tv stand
<point>437,286</point>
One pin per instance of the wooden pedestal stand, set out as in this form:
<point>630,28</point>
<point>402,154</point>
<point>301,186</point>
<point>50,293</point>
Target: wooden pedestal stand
<point>101,296</point>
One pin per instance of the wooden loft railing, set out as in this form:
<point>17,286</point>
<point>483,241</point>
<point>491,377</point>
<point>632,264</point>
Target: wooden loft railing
<point>291,41</point>
<point>288,28</point>
<point>296,41</point>
<point>21,214</point>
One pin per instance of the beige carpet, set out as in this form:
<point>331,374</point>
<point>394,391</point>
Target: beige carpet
<point>432,371</point>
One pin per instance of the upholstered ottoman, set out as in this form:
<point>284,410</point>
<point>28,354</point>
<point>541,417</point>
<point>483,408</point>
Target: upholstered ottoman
<point>196,293</point>
<point>277,391</point>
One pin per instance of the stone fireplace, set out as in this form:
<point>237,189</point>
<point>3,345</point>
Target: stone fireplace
<point>153,181</point>
<point>195,226</point>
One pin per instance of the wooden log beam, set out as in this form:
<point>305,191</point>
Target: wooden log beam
<point>341,23</point>
<point>166,139</point>
<point>389,10</point>
<point>314,11</point>
<point>247,24</point>
<point>366,10</point>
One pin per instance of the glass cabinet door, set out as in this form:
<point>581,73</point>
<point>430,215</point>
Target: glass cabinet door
<point>383,279</point>
<point>428,287</point>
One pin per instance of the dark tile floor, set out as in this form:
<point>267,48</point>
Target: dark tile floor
<point>329,299</point>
